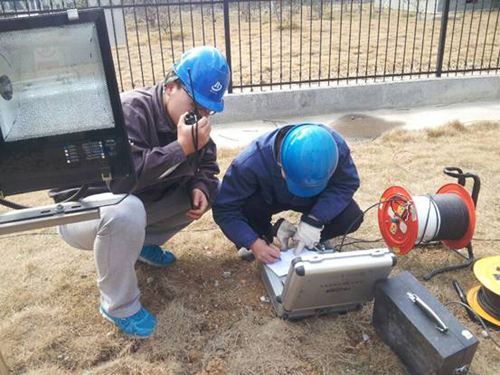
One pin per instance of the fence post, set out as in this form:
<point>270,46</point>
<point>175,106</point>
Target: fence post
<point>442,37</point>
<point>227,37</point>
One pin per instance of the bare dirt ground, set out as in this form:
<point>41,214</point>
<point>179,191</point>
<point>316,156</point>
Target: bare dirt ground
<point>210,317</point>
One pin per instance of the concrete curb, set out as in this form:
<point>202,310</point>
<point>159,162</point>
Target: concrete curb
<point>364,96</point>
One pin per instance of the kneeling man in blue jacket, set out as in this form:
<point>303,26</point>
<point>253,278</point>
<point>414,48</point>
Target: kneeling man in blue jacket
<point>305,168</point>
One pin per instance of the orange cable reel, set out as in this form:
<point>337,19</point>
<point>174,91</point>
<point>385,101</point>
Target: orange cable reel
<point>405,220</point>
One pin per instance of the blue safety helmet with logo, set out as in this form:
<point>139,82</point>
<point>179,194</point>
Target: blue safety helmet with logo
<point>207,71</point>
<point>308,156</point>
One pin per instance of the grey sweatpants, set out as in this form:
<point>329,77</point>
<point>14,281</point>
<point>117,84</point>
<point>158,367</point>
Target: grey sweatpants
<point>117,238</point>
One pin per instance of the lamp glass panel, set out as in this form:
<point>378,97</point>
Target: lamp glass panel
<point>52,82</point>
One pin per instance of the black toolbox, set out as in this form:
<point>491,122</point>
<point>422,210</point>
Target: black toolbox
<point>419,329</point>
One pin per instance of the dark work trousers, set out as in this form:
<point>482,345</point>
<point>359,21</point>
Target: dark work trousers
<point>258,213</point>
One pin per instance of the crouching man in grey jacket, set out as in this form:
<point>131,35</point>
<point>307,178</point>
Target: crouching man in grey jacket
<point>176,183</point>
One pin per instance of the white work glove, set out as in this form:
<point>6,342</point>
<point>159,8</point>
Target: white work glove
<point>307,235</point>
<point>285,233</point>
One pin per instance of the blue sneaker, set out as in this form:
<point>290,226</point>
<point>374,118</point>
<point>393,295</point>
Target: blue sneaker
<point>141,325</point>
<point>155,256</point>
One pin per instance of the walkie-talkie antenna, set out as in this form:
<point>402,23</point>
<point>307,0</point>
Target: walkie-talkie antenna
<point>194,128</point>
<point>192,94</point>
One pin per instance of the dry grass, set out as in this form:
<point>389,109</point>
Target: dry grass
<point>209,324</point>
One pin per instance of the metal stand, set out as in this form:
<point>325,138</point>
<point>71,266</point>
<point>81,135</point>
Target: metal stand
<point>52,215</point>
<point>461,176</point>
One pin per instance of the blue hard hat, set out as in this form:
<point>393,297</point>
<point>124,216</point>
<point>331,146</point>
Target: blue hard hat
<point>309,156</point>
<point>207,71</point>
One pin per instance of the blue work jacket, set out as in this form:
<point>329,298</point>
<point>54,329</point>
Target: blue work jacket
<point>256,170</point>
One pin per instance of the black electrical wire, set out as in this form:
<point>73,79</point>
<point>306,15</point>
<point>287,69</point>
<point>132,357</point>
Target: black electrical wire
<point>449,229</point>
<point>460,254</point>
<point>354,222</point>
<point>194,128</point>
<point>81,191</point>
<point>489,301</point>
<point>361,239</point>
<point>454,216</point>
<point>194,137</point>
<point>12,205</point>
<point>481,321</point>
<point>354,243</point>
<point>428,243</point>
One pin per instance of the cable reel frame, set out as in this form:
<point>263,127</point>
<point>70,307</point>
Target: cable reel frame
<point>399,225</point>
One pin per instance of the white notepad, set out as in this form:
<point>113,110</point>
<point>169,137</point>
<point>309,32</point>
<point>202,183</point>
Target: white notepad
<point>280,268</point>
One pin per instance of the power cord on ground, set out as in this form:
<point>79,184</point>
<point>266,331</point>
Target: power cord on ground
<point>486,330</point>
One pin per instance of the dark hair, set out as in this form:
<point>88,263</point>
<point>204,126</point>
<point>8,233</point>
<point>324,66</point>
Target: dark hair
<point>171,77</point>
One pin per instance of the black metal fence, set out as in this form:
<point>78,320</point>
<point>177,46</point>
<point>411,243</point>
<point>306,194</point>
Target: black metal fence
<point>295,43</point>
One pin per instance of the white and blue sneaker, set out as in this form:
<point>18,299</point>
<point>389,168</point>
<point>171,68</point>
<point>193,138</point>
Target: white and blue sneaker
<point>141,325</point>
<point>155,256</point>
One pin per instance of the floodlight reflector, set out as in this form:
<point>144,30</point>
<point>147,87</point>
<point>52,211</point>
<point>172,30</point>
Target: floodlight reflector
<point>52,83</point>
<point>61,121</point>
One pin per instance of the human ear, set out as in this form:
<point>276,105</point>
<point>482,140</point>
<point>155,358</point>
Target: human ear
<point>169,88</point>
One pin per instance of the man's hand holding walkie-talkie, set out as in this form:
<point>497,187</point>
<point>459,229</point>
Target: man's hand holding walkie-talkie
<point>185,135</point>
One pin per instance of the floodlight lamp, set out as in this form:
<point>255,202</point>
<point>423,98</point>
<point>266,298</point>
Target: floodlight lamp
<point>61,121</point>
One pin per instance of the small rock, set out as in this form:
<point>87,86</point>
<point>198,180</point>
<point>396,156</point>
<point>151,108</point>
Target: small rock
<point>149,280</point>
<point>194,356</point>
<point>264,299</point>
<point>216,284</point>
<point>226,274</point>
<point>366,338</point>
<point>110,334</point>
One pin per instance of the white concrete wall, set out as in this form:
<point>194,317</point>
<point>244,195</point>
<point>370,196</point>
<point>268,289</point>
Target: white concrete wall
<point>369,96</point>
<point>459,5</point>
<point>114,21</point>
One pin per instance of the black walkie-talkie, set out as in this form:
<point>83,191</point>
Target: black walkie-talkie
<point>191,118</point>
